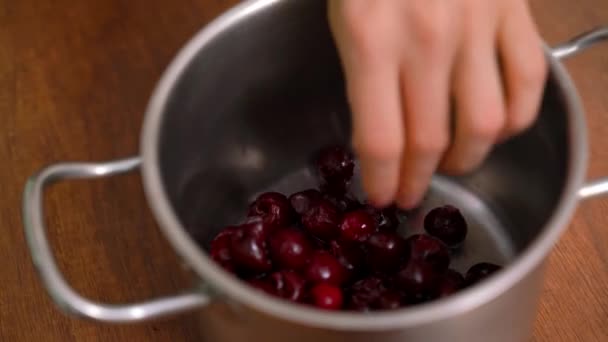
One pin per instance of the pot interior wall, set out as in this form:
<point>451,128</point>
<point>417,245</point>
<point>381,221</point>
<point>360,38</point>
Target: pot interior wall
<point>265,94</point>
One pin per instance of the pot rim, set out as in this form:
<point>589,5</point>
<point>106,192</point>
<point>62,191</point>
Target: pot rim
<point>463,301</point>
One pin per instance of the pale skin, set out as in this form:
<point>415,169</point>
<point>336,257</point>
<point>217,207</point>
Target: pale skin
<point>416,68</point>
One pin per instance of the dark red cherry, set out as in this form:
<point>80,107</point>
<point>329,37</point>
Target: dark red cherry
<point>248,248</point>
<point>386,251</point>
<point>429,249</point>
<point>357,226</point>
<point>447,224</point>
<point>325,268</point>
<point>289,285</point>
<point>386,218</point>
<point>418,298</point>
<point>263,285</point>
<point>418,277</point>
<point>273,207</point>
<point>335,166</point>
<point>302,201</point>
<point>350,255</point>
<point>318,244</point>
<point>336,189</point>
<point>480,271</point>
<point>290,248</point>
<point>451,282</point>
<point>389,300</point>
<point>220,248</point>
<point>365,293</point>
<point>323,220</point>
<point>260,225</point>
<point>326,296</point>
<point>344,202</point>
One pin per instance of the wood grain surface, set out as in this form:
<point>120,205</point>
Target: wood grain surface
<point>75,77</point>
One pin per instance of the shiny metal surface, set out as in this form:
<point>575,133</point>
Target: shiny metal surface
<point>593,189</point>
<point>253,94</point>
<point>580,43</point>
<point>245,103</point>
<point>231,322</point>
<point>568,49</point>
<point>61,292</point>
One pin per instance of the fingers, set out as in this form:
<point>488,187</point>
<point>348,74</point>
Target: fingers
<point>425,79</point>
<point>404,59</point>
<point>372,81</point>
<point>377,128</point>
<point>480,115</point>
<point>524,68</point>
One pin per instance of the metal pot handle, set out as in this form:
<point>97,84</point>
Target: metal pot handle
<point>568,49</point>
<point>57,287</point>
<point>580,43</point>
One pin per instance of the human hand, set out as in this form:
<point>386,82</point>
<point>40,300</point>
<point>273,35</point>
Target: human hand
<point>407,61</point>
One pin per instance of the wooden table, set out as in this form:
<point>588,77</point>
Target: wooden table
<point>74,80</point>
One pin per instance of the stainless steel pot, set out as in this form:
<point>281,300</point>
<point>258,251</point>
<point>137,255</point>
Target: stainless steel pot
<point>242,105</point>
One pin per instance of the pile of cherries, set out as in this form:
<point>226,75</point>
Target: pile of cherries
<point>325,248</point>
